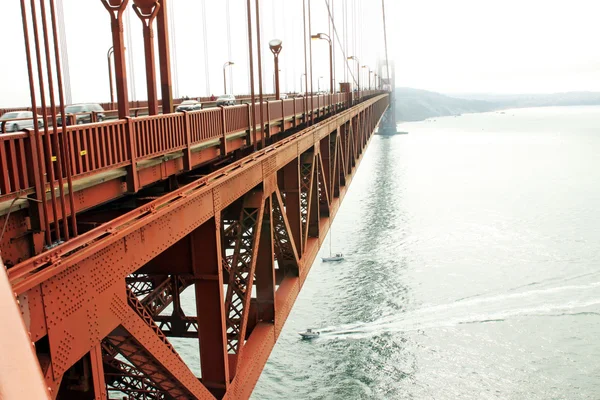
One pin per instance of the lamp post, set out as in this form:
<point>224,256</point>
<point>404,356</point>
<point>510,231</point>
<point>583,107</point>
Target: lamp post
<point>275,46</point>
<point>110,77</point>
<point>319,83</point>
<point>357,72</point>
<point>301,79</point>
<point>227,64</point>
<point>326,37</point>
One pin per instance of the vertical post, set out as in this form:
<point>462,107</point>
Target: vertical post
<point>260,87</point>
<point>116,14</point>
<point>212,329</point>
<point>277,93</point>
<point>291,187</point>
<point>147,16</point>
<point>110,78</point>
<point>252,97</point>
<point>164,57</point>
<point>265,264</point>
<point>133,181</point>
<point>98,373</point>
<point>312,104</point>
<point>223,146</point>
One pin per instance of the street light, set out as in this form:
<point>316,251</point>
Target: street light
<point>227,64</point>
<point>319,83</point>
<point>275,46</point>
<point>357,72</point>
<point>325,37</point>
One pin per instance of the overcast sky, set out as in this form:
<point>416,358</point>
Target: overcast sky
<point>488,46</point>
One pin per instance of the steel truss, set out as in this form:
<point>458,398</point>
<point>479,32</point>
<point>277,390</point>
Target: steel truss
<point>244,238</point>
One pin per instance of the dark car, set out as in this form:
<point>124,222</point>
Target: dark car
<point>82,113</point>
<point>226,100</point>
<point>189,105</point>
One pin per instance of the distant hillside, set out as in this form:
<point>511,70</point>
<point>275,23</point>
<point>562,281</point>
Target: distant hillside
<point>538,100</point>
<point>417,105</point>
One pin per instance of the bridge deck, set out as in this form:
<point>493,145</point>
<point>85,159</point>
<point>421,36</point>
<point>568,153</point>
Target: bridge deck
<point>244,236</point>
<point>110,159</point>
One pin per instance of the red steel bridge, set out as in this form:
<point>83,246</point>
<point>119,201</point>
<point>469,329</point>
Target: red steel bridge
<point>104,225</point>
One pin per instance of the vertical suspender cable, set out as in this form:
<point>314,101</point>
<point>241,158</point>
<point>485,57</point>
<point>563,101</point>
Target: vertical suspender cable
<point>228,17</point>
<point>251,64</point>
<point>63,49</point>
<point>260,75</point>
<point>46,138</point>
<point>65,142</point>
<point>44,210</point>
<point>305,64</point>
<point>172,35</point>
<point>130,55</point>
<point>312,103</point>
<point>205,36</point>
<point>54,132</point>
<point>387,64</point>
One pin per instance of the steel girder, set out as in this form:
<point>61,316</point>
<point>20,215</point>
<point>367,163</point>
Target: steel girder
<point>257,223</point>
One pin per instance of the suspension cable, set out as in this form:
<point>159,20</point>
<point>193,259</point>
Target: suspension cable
<point>340,42</point>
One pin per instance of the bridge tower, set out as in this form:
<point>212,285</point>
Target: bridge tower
<point>388,122</point>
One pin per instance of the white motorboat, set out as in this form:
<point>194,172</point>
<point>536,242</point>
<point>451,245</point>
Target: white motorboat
<point>309,334</point>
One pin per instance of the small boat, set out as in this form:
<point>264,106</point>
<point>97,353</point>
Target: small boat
<point>309,334</point>
<point>337,257</point>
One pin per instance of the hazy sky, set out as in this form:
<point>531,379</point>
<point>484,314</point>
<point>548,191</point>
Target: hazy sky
<point>455,46</point>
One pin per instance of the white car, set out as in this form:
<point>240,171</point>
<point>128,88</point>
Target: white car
<point>189,105</point>
<point>15,126</point>
<point>226,100</point>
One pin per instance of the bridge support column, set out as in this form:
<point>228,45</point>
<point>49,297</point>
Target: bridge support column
<point>164,56</point>
<point>265,272</point>
<point>208,278</point>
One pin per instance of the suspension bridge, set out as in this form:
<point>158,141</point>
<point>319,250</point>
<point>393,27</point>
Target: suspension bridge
<point>106,224</point>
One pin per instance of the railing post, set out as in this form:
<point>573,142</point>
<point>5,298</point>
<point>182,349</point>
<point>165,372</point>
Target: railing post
<point>223,145</point>
<point>37,208</point>
<point>282,117</point>
<point>268,128</point>
<point>187,153</point>
<point>249,132</point>
<point>133,182</point>
<point>295,122</point>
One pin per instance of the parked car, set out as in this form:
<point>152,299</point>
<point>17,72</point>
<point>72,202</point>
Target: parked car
<point>283,96</point>
<point>226,100</point>
<point>189,105</point>
<point>15,126</point>
<point>83,113</point>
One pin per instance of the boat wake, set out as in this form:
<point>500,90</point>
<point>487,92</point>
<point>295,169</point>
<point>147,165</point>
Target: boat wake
<point>571,300</point>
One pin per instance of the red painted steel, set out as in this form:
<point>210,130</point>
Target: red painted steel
<point>222,229</point>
